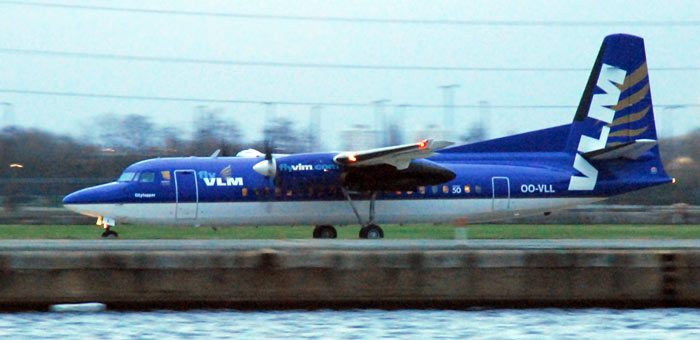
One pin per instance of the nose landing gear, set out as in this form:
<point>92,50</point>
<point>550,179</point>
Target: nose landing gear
<point>109,233</point>
<point>105,223</point>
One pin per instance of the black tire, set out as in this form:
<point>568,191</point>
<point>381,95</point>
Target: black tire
<point>363,232</point>
<point>325,231</point>
<point>110,234</point>
<point>371,232</point>
<point>375,232</point>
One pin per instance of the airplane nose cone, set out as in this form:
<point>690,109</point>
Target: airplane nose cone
<point>106,193</point>
<point>72,199</point>
<point>85,196</point>
<point>96,201</point>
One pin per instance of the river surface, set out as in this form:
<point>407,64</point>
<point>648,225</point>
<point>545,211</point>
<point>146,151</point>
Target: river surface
<point>358,324</point>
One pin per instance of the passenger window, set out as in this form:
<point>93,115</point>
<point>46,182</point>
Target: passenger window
<point>267,191</point>
<point>256,191</point>
<point>467,189</point>
<point>147,177</point>
<point>445,189</point>
<point>165,177</point>
<point>421,190</point>
<point>278,192</point>
<point>244,192</point>
<point>477,188</point>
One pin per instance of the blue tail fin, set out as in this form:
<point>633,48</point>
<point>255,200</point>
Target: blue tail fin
<point>615,118</point>
<point>616,105</point>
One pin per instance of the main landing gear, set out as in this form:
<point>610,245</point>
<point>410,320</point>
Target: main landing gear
<point>325,231</point>
<point>369,229</point>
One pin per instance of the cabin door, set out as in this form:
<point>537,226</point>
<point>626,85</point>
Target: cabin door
<point>501,193</point>
<point>186,194</point>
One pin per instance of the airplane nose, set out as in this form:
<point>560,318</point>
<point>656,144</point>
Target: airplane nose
<point>83,196</point>
<point>106,193</point>
<point>78,197</point>
<point>71,199</point>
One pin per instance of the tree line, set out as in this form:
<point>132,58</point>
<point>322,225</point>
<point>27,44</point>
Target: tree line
<point>40,167</point>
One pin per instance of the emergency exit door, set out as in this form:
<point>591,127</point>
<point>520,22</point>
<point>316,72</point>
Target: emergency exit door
<point>500,193</point>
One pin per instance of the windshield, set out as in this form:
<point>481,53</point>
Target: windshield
<point>126,177</point>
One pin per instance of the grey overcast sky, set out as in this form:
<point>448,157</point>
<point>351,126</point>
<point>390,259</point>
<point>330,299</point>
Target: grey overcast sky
<point>556,40</point>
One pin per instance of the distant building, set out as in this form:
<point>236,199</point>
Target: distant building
<point>360,137</point>
<point>431,131</point>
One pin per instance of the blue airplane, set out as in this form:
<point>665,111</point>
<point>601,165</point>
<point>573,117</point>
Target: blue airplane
<point>610,148</point>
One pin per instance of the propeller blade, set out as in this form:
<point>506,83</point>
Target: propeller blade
<point>268,150</point>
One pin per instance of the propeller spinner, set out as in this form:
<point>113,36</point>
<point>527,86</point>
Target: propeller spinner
<point>268,167</point>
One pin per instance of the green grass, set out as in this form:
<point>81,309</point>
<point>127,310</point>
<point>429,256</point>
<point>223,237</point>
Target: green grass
<point>418,231</point>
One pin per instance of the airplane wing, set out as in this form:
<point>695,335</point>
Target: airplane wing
<point>399,156</point>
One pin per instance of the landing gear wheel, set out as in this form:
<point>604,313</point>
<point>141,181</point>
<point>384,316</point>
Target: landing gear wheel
<point>371,231</point>
<point>110,234</point>
<point>325,231</point>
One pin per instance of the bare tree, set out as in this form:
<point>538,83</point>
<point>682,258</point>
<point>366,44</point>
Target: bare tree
<point>211,132</point>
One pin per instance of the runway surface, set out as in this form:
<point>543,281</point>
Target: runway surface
<point>347,245</point>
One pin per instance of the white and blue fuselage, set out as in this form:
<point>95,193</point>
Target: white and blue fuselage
<point>192,191</point>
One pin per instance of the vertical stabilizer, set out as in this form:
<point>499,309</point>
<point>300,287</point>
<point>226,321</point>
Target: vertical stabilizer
<point>616,105</point>
<point>615,112</point>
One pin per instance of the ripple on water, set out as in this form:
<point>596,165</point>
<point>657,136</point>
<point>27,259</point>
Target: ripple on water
<point>358,324</point>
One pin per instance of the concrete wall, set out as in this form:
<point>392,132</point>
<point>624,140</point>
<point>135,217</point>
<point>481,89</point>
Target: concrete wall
<point>322,277</point>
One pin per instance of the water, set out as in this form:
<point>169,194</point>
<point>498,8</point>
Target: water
<point>358,324</point>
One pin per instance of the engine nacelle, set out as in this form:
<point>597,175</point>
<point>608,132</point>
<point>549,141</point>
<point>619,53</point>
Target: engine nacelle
<point>319,170</point>
<point>420,172</point>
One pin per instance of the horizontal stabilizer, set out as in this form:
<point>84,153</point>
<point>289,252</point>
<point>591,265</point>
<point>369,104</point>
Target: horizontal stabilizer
<point>629,150</point>
<point>399,156</point>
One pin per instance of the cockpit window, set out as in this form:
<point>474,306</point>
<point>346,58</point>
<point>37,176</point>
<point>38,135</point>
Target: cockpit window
<point>147,177</point>
<point>126,177</point>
